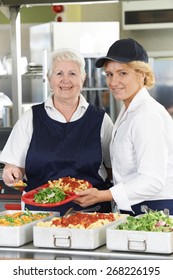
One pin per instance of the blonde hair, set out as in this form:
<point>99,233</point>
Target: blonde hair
<point>66,54</point>
<point>145,68</point>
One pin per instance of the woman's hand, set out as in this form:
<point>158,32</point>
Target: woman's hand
<point>11,174</point>
<point>92,196</point>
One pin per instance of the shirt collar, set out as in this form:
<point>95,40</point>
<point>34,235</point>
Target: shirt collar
<point>141,95</point>
<point>136,101</point>
<point>82,102</point>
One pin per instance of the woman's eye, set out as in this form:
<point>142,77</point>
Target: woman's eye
<point>59,73</point>
<point>123,73</point>
<point>108,74</point>
<point>72,74</point>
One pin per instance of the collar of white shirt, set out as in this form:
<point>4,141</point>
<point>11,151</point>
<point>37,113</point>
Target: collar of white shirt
<point>56,115</point>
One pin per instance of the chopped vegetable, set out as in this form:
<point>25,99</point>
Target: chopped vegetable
<point>49,195</point>
<point>20,185</point>
<point>21,218</point>
<point>152,221</point>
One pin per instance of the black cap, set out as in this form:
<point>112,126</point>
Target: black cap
<point>124,50</point>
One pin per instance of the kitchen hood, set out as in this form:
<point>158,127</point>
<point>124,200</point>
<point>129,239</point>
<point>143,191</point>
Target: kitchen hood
<point>155,15</point>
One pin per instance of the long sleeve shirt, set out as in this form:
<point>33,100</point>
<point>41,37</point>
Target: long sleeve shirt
<point>142,153</point>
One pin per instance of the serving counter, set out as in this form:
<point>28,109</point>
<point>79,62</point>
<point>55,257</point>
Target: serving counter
<point>29,251</point>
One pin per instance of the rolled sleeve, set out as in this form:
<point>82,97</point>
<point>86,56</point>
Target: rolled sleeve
<point>119,195</point>
<point>16,147</point>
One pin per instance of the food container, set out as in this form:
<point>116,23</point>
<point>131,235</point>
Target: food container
<point>70,238</point>
<point>16,236</point>
<point>138,241</point>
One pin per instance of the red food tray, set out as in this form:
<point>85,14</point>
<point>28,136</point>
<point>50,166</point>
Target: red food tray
<point>28,198</point>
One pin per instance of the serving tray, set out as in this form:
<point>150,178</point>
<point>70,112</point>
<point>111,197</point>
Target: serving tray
<point>70,238</point>
<point>16,236</point>
<point>138,241</point>
<point>28,198</point>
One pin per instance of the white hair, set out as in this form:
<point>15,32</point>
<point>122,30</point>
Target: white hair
<point>66,54</point>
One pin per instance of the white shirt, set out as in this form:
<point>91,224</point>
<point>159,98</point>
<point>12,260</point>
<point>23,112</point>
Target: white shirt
<point>142,153</point>
<point>18,143</point>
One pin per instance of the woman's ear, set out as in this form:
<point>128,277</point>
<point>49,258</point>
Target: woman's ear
<point>141,77</point>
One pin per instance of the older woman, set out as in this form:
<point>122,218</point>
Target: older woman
<point>142,140</point>
<point>64,136</point>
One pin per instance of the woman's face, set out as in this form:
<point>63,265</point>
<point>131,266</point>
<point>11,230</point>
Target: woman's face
<point>65,81</point>
<point>123,81</point>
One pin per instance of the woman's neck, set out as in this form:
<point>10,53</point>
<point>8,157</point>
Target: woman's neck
<point>67,109</point>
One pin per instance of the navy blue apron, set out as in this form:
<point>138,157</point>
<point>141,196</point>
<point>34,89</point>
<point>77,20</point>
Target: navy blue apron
<point>65,149</point>
<point>153,204</point>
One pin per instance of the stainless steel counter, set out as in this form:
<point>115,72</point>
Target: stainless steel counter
<point>28,251</point>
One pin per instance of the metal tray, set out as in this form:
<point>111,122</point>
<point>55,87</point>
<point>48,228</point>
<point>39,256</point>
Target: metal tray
<point>70,238</point>
<point>138,241</point>
<point>16,236</point>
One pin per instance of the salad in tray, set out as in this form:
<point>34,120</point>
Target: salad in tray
<point>152,221</point>
<point>49,195</point>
